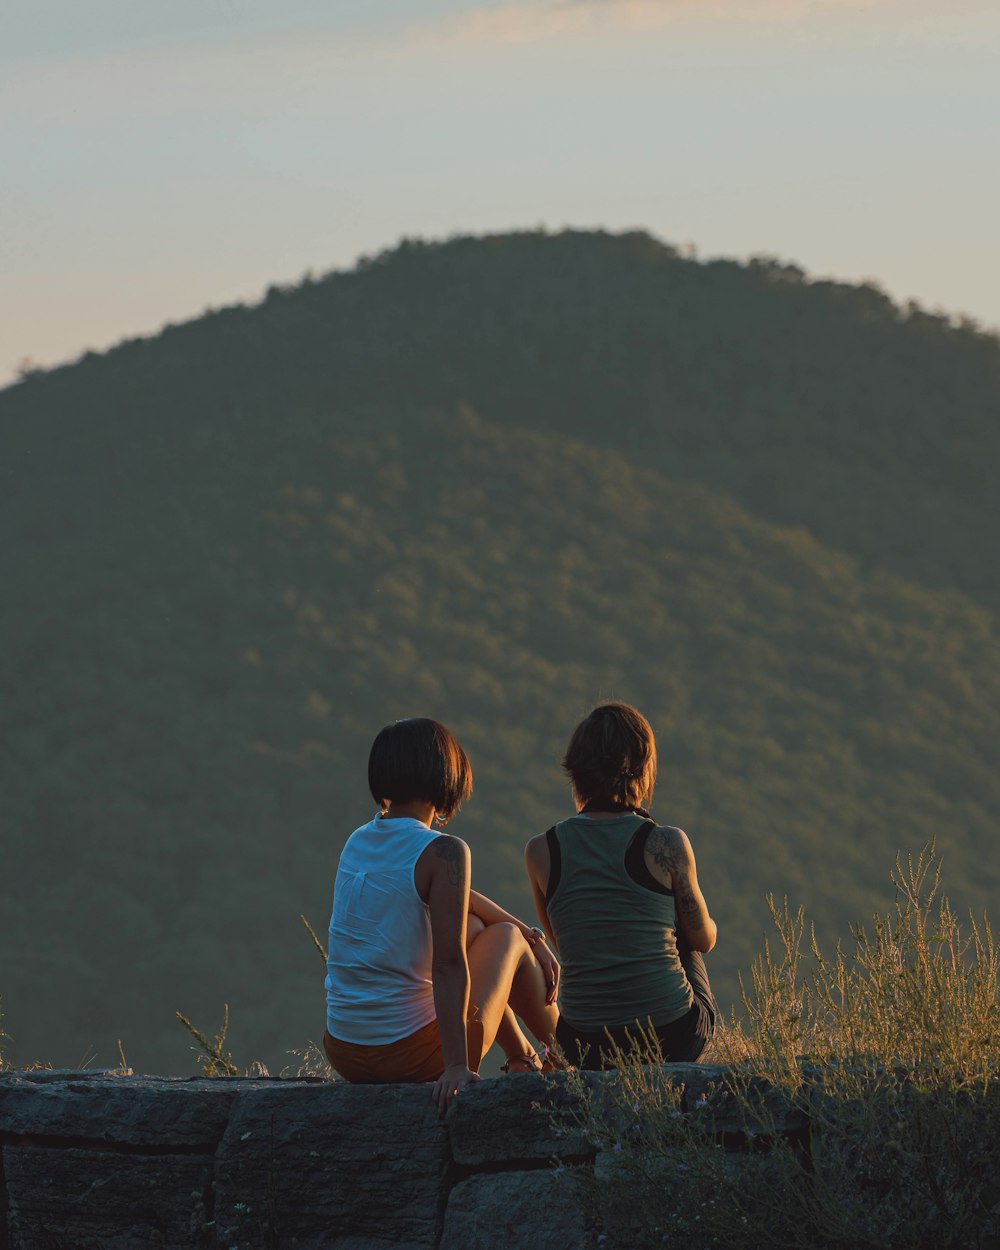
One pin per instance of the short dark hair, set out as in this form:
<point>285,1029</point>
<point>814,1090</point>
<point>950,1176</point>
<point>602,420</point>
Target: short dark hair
<point>419,759</point>
<point>611,757</point>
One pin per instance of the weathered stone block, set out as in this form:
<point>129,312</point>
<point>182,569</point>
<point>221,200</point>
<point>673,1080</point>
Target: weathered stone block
<point>497,1211</point>
<point>530,1118</point>
<point>113,1160</point>
<point>72,1199</point>
<point>334,1165</point>
<point>130,1110</point>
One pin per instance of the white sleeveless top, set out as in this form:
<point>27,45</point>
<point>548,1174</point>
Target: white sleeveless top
<point>378,981</point>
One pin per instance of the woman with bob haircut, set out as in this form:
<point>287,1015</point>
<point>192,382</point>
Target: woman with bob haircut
<point>618,896</point>
<point>423,972</point>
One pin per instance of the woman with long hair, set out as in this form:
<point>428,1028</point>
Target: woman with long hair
<point>423,973</point>
<point>618,896</point>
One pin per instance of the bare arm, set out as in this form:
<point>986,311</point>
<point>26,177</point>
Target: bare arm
<point>536,859</point>
<point>670,859</point>
<point>447,867</point>
<point>491,913</point>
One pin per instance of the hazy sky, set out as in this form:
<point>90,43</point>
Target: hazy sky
<point>161,156</point>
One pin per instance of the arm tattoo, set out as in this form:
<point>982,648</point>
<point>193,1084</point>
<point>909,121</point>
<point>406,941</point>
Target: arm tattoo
<point>689,906</point>
<point>448,849</point>
<point>660,849</point>
<point>665,852</point>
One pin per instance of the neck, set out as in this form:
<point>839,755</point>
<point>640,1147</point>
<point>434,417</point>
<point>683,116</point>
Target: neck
<point>611,807</point>
<point>414,809</point>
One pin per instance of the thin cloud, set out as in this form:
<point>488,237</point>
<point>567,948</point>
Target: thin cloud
<point>305,68</point>
<point>508,23</point>
<point>526,22</point>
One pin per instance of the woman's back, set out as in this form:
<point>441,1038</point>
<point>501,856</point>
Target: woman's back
<point>378,982</point>
<point>616,937</point>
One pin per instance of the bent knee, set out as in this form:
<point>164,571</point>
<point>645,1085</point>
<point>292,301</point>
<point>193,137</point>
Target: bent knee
<point>508,934</point>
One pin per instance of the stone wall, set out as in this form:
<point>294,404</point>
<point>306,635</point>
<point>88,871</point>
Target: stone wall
<point>105,1161</point>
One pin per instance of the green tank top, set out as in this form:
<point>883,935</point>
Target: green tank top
<point>617,939</point>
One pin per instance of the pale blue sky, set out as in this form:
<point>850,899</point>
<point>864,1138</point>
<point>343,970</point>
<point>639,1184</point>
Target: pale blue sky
<point>161,156</point>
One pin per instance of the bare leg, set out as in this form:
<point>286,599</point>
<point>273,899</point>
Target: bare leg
<point>509,1036</point>
<point>503,969</point>
<point>473,927</point>
<point>527,997</point>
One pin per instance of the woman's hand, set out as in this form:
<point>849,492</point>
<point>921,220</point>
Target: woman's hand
<point>449,1083</point>
<point>550,966</point>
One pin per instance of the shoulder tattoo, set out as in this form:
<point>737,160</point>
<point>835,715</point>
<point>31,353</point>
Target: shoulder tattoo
<point>659,846</point>
<point>667,850</point>
<point>451,851</point>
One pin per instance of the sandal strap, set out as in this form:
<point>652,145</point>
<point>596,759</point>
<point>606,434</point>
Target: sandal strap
<point>531,1057</point>
<point>542,1060</point>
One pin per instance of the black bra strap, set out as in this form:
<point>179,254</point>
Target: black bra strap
<point>555,861</point>
<point>635,860</point>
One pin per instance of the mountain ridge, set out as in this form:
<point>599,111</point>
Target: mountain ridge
<point>221,599</point>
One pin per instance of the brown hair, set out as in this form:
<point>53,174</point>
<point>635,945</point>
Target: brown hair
<point>611,757</point>
<point>419,758</point>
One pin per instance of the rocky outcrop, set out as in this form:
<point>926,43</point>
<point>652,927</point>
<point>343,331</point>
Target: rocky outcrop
<point>102,1161</point>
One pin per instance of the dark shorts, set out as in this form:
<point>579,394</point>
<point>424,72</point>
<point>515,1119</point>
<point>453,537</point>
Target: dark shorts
<point>680,1041</point>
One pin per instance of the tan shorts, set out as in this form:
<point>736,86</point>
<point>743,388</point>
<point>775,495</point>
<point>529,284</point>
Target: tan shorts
<point>414,1058</point>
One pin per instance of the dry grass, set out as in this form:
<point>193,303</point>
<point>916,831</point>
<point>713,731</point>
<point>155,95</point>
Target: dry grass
<point>213,1059</point>
<point>891,1053</point>
<point>4,1043</point>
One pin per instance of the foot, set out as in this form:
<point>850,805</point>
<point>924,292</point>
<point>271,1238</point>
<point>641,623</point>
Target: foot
<point>522,1063</point>
<point>530,1062</point>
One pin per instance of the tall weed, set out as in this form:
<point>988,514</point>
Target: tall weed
<point>4,1043</point>
<point>859,1104</point>
<point>214,1060</point>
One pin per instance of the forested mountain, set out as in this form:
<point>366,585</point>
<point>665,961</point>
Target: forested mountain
<point>492,481</point>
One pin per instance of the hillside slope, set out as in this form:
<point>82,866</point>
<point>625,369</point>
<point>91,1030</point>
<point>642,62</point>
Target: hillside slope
<point>811,403</point>
<point>222,611</point>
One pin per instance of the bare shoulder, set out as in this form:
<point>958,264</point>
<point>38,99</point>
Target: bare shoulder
<point>680,841</point>
<point>452,854</point>
<point>668,847</point>
<point>446,858</point>
<point>449,848</point>
<point>537,849</point>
